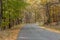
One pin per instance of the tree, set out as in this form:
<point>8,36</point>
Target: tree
<point>11,12</point>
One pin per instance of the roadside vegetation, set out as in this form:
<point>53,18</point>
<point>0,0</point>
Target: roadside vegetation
<point>11,13</point>
<point>11,18</point>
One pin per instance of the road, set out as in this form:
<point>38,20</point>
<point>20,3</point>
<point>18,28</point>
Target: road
<point>34,32</point>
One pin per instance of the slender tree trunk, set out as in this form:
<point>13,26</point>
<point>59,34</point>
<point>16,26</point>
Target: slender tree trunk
<point>0,12</point>
<point>48,13</point>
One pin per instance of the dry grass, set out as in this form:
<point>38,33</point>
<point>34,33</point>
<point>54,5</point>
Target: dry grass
<point>10,34</point>
<point>53,28</point>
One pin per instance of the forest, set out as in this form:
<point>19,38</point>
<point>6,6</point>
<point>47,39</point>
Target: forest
<point>14,12</point>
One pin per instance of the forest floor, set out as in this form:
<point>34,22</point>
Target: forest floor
<point>10,34</point>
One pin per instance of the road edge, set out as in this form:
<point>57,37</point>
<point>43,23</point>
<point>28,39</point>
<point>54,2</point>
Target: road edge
<point>52,30</point>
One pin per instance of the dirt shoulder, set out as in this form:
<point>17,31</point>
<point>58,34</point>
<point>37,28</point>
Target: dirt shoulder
<point>10,34</point>
<point>52,28</point>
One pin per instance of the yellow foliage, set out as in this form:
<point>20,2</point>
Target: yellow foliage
<point>54,12</point>
<point>54,9</point>
<point>45,1</point>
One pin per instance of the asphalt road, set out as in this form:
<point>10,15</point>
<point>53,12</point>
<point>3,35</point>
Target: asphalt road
<point>34,32</point>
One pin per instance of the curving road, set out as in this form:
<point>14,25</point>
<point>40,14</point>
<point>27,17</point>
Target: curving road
<point>34,32</point>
